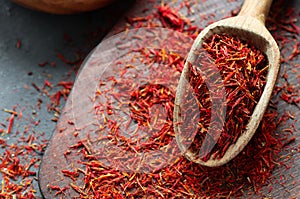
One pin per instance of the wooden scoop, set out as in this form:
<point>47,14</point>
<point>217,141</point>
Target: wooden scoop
<point>248,25</point>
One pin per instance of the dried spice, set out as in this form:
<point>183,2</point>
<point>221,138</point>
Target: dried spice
<point>242,71</point>
<point>20,161</point>
<point>183,179</point>
<point>130,126</point>
<point>248,172</point>
<point>169,16</point>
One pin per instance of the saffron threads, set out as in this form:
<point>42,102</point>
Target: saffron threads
<point>246,174</point>
<point>242,71</point>
<point>184,178</point>
<point>169,17</point>
<point>134,100</point>
<point>11,122</point>
<point>267,163</point>
<point>120,157</point>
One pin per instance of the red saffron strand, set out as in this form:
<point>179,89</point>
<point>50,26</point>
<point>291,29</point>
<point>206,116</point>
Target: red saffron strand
<point>10,123</point>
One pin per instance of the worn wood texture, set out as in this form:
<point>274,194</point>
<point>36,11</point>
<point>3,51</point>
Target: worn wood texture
<point>54,160</point>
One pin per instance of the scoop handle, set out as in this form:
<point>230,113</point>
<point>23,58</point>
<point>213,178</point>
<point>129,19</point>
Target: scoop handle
<point>258,9</point>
